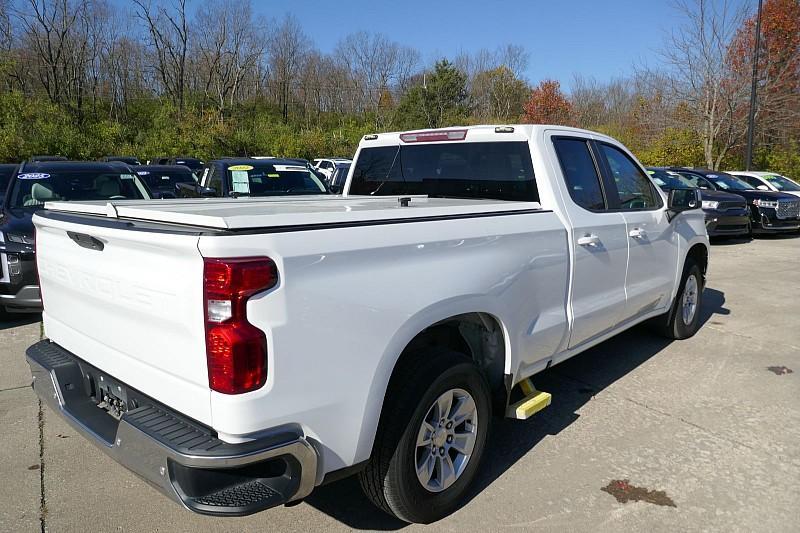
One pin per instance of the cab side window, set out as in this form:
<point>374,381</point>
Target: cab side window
<point>580,172</point>
<point>634,189</point>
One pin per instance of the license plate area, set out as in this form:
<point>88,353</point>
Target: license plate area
<point>108,394</point>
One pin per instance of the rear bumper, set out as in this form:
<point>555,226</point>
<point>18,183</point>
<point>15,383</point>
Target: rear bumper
<point>178,456</point>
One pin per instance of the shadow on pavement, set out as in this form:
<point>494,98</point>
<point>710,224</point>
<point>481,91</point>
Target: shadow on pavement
<point>572,384</point>
<point>10,320</point>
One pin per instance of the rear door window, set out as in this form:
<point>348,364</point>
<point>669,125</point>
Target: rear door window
<point>580,172</point>
<point>487,170</point>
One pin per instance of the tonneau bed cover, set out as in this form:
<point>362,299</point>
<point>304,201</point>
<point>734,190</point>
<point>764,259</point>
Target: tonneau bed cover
<point>249,213</point>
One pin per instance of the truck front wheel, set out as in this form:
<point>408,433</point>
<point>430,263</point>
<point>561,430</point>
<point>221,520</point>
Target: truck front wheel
<point>683,320</point>
<point>430,439</point>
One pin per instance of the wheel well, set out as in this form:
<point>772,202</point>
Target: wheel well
<point>699,253</point>
<point>477,336</point>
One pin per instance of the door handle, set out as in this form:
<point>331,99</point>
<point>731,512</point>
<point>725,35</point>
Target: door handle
<point>589,240</point>
<point>637,233</point>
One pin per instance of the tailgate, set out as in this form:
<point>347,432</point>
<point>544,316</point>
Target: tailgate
<point>129,302</point>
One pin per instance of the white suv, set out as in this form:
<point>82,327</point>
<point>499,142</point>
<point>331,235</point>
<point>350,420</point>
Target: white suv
<point>769,181</point>
<point>327,166</point>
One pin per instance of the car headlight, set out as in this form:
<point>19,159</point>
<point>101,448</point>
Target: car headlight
<point>19,238</point>
<point>710,204</point>
<point>765,203</point>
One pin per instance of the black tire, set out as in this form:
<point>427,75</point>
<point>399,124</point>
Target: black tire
<point>389,479</point>
<point>672,325</point>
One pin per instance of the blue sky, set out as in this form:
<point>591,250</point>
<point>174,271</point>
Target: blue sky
<point>599,38</point>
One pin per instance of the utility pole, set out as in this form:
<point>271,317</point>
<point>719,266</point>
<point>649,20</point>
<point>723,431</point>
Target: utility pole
<point>752,118</point>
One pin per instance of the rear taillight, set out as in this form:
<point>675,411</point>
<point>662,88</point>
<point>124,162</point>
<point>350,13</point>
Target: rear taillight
<point>236,350</point>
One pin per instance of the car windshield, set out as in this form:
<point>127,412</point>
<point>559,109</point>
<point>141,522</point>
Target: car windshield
<point>490,170</point>
<point>167,178</point>
<point>726,182</point>
<point>33,189</point>
<point>668,180</point>
<point>781,183</point>
<point>266,179</point>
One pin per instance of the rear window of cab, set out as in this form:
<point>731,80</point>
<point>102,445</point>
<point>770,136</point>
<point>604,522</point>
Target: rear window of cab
<point>486,170</point>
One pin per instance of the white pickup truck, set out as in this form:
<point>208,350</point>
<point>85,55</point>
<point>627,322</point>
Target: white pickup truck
<point>236,353</point>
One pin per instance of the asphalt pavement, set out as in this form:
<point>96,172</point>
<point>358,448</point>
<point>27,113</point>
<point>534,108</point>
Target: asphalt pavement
<point>642,435</point>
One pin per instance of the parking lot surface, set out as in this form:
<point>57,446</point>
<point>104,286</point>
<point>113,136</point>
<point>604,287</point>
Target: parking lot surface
<point>695,435</point>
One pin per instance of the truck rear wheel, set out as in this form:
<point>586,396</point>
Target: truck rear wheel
<point>683,320</point>
<point>430,439</point>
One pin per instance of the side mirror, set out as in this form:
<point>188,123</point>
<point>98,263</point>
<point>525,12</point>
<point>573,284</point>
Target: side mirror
<point>762,188</point>
<point>207,192</point>
<point>335,189</point>
<point>681,200</point>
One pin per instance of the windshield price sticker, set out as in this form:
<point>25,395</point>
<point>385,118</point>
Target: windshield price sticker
<point>241,182</point>
<point>235,168</point>
<point>33,176</point>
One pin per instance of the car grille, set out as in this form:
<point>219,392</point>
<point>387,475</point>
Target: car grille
<point>788,208</point>
<point>724,206</point>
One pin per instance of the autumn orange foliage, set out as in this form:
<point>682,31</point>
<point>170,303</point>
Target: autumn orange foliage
<point>548,105</point>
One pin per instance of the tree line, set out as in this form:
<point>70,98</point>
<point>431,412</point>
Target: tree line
<point>87,78</point>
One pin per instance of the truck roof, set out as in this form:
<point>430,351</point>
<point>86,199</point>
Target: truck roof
<point>251,213</point>
<point>484,132</point>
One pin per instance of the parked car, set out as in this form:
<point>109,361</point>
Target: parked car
<point>328,165</point>
<point>726,213</point>
<point>128,160</point>
<point>34,184</point>
<point>163,180</point>
<point>769,181</point>
<point>770,212</point>
<point>6,173</point>
<point>338,178</point>
<point>266,346</point>
<point>253,177</point>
